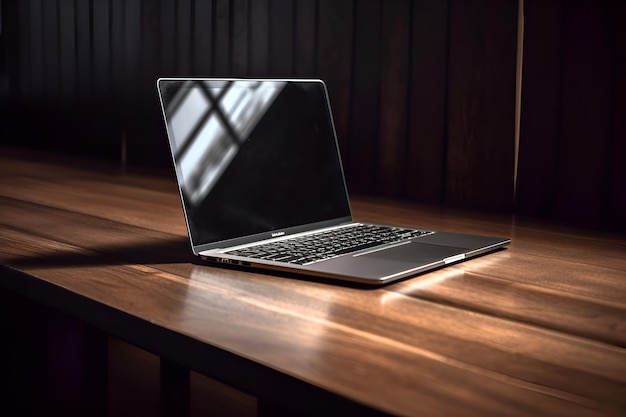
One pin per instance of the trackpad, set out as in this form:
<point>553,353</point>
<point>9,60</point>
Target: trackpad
<point>414,252</point>
<point>389,262</point>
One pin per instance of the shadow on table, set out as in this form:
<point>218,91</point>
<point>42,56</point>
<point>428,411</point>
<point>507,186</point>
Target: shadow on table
<point>162,251</point>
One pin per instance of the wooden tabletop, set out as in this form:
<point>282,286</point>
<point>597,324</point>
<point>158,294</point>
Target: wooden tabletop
<point>536,329</point>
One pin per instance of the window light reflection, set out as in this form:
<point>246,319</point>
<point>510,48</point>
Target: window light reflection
<point>209,123</point>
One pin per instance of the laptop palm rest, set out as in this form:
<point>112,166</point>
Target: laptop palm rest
<point>411,257</point>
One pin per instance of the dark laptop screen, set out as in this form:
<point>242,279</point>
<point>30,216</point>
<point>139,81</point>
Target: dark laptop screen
<point>253,156</point>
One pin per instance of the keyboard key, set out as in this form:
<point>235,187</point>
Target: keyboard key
<point>319,246</point>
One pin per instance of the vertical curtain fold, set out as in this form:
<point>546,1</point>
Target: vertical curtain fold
<point>423,91</point>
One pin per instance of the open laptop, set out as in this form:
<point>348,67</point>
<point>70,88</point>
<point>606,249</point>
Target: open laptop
<point>262,186</point>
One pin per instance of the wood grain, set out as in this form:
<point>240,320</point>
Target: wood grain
<point>282,38</point>
<point>360,155</point>
<point>481,79</point>
<point>536,329</point>
<point>425,170</point>
<point>259,38</point>
<point>305,38</point>
<point>394,98</point>
<point>571,143</point>
<point>334,56</point>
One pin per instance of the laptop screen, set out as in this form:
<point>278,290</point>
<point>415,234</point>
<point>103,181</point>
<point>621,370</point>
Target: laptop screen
<point>253,156</point>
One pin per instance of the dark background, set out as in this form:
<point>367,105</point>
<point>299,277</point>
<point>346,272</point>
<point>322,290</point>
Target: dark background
<point>423,92</point>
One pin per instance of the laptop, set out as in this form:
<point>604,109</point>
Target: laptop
<point>262,186</point>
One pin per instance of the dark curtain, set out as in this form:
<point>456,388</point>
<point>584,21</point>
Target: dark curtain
<point>572,164</point>
<point>423,91</point>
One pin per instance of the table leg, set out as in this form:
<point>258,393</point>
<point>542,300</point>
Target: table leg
<point>267,409</point>
<point>95,371</point>
<point>175,398</point>
<point>23,355</point>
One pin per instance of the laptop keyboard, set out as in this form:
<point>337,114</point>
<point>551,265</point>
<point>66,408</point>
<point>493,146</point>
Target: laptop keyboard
<point>316,247</point>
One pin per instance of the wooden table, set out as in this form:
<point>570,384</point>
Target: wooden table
<point>536,329</point>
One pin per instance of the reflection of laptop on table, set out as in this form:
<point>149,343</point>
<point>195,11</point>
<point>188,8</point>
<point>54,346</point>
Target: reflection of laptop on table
<point>261,182</point>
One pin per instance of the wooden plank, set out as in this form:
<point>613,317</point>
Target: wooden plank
<point>597,319</point>
<point>585,113</point>
<point>617,191</point>
<point>102,48</point>
<point>223,46</point>
<point>149,67</point>
<point>561,175</point>
<point>425,166</point>
<point>133,48</point>
<point>281,38</point>
<point>144,51</point>
<point>538,325</point>
<point>541,102</point>
<point>35,49</point>
<point>115,69</point>
<point>67,49</point>
<point>522,275</point>
<point>241,37</point>
<point>184,40</point>
<point>99,202</point>
<point>109,242</point>
<point>84,54</point>
<point>50,51</point>
<point>361,154</point>
<point>21,48</point>
<point>167,39</point>
<point>203,37</point>
<point>493,359</point>
<point>394,99</point>
<point>259,38</point>
<point>334,60</point>
<point>305,38</point>
<point>29,163</point>
<point>481,103</point>
<point>119,64</point>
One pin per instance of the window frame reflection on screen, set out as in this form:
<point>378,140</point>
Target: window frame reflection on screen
<point>253,158</point>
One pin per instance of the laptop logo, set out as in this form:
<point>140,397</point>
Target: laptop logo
<point>276,234</point>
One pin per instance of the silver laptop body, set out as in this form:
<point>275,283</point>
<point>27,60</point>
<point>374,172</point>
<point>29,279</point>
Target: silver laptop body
<point>257,163</point>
